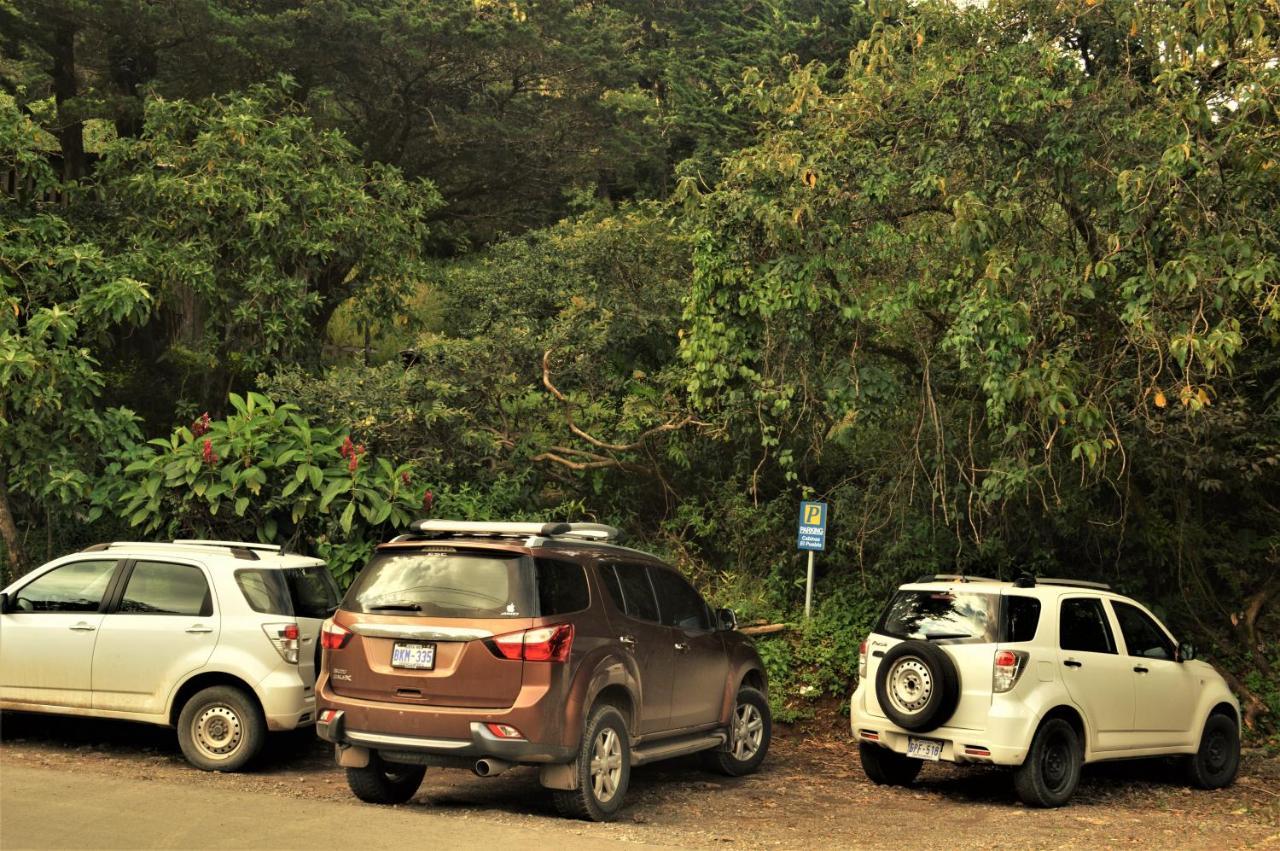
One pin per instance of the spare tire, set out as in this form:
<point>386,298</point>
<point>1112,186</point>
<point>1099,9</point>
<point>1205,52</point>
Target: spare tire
<point>918,686</point>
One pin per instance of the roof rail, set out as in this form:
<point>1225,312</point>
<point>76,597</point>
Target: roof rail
<point>451,528</point>
<point>953,577</point>
<point>239,549</point>
<point>1073,583</point>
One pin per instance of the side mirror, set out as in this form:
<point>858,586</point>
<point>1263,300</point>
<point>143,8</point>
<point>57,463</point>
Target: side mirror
<point>4,603</point>
<point>726,620</point>
<point>1186,651</point>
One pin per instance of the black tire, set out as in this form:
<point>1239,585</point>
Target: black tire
<point>1217,761</point>
<point>605,735</point>
<point>385,782</point>
<point>750,731</point>
<point>918,686</point>
<point>1049,775</point>
<point>221,729</point>
<point>884,767</point>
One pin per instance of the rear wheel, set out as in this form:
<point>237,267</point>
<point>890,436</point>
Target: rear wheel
<point>604,768</point>
<point>221,729</point>
<point>750,731</point>
<point>1049,775</point>
<point>384,782</point>
<point>886,768</point>
<point>1216,761</point>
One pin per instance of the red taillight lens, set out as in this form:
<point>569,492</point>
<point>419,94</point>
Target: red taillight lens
<point>334,637</point>
<point>1005,659</point>
<point>504,731</point>
<point>862,660</point>
<point>544,644</point>
<point>290,632</point>
<point>1006,670</point>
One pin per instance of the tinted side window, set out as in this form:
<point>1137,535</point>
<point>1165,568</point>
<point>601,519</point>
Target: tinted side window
<point>1020,618</point>
<point>562,587</point>
<point>1141,635</point>
<point>159,588</point>
<point>637,593</point>
<point>1083,627</point>
<point>76,587</point>
<point>609,577</point>
<point>265,591</point>
<point>679,604</point>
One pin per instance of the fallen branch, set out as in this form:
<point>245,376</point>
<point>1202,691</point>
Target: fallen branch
<point>764,629</point>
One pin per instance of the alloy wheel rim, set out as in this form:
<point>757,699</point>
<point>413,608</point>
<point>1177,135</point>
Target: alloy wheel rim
<point>910,685</point>
<point>748,732</point>
<point>217,732</point>
<point>606,765</point>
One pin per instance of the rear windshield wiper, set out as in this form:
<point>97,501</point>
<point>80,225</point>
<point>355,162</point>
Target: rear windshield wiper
<point>398,607</point>
<point>938,636</point>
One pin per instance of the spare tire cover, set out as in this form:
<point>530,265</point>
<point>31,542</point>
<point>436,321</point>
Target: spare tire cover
<point>918,686</point>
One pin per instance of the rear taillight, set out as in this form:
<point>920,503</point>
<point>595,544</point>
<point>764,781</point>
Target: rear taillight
<point>284,638</point>
<point>334,637</point>
<point>862,661</point>
<point>544,644</point>
<point>1006,669</point>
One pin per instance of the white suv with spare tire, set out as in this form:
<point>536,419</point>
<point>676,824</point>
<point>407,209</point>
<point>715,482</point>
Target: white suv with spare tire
<point>1042,675</point>
<point>217,638</point>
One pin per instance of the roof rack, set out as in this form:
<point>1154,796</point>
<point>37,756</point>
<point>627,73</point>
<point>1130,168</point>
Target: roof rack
<point>953,577</point>
<point>453,528</point>
<point>239,549</point>
<point>1072,583</point>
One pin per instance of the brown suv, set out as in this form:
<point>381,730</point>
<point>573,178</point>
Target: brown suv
<point>484,645</point>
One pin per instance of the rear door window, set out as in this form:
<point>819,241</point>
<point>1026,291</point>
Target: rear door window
<point>937,615</point>
<point>161,588</point>
<point>631,591</point>
<point>75,587</point>
<point>1019,619</point>
<point>444,584</point>
<point>307,592</point>
<point>678,603</point>
<point>1083,626</point>
<point>562,587</point>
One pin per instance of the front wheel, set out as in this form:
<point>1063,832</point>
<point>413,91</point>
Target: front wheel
<point>887,768</point>
<point>1049,775</point>
<point>1216,761</point>
<point>221,729</point>
<point>385,783</point>
<point>604,768</point>
<point>750,731</point>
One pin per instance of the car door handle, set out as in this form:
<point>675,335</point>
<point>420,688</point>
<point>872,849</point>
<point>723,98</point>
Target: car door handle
<point>682,646</point>
<point>1139,669</point>
<point>82,627</point>
<point>629,640</point>
<point>1072,663</point>
<point>198,628</point>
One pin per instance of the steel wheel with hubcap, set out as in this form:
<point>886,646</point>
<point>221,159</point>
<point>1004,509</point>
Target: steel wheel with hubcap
<point>910,685</point>
<point>750,731</point>
<point>603,768</point>
<point>221,729</point>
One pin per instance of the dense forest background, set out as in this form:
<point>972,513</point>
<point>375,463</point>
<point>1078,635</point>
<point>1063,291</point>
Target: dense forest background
<point>1000,284</point>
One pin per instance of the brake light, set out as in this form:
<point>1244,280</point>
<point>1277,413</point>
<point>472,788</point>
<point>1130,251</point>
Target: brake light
<point>504,731</point>
<point>862,660</point>
<point>284,638</point>
<point>1006,669</point>
<point>334,637</point>
<point>544,644</point>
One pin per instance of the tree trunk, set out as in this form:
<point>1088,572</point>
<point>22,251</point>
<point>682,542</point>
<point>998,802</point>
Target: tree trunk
<point>66,88</point>
<point>9,531</point>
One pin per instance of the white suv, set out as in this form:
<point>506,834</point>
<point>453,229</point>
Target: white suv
<point>216,637</point>
<point>1043,675</point>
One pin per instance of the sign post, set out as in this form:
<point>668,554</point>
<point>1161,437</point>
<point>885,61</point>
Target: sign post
<point>812,537</point>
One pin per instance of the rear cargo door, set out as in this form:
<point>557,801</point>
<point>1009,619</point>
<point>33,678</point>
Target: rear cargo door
<point>423,621</point>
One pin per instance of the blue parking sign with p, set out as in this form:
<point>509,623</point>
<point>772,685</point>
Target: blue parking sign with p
<point>813,526</point>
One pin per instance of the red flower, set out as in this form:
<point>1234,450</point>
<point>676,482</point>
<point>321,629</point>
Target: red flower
<point>428,500</point>
<point>210,457</point>
<point>353,463</point>
<point>347,447</point>
<point>404,478</point>
<point>201,425</point>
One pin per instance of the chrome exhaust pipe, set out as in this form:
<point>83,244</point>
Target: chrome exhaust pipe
<point>490,767</point>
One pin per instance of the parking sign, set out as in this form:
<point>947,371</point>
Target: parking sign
<point>813,526</point>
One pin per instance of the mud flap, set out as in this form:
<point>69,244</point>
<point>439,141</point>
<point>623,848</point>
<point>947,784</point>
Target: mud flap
<point>563,776</point>
<point>350,756</point>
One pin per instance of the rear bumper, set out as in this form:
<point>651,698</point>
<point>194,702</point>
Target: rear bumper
<point>286,702</point>
<point>480,744</point>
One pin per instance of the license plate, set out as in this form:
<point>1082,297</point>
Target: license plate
<point>417,656</point>
<point>924,749</point>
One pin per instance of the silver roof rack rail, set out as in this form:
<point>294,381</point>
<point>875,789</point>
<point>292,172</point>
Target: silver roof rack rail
<point>448,528</point>
<point>1072,583</point>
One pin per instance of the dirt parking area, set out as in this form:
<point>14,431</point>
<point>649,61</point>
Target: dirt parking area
<point>810,793</point>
